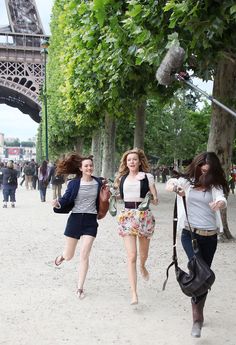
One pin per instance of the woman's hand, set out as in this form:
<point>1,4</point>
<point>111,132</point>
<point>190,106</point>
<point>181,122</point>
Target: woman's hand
<point>155,201</point>
<point>216,205</point>
<point>55,203</point>
<point>178,190</point>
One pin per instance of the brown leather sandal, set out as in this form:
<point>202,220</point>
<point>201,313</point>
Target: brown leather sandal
<point>59,259</point>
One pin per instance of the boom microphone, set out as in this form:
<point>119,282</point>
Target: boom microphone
<point>171,63</point>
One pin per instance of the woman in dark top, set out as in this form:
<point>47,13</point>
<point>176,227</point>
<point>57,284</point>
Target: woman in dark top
<point>9,184</point>
<point>43,176</point>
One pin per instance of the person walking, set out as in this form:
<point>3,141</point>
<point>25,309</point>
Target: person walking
<point>28,170</point>
<point>204,185</point>
<point>1,174</point>
<point>231,182</point>
<point>82,223</point>
<point>35,167</point>
<point>134,182</point>
<point>9,184</point>
<point>56,181</point>
<point>43,178</point>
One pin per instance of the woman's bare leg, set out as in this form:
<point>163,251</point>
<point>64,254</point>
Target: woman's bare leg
<point>68,252</point>
<point>86,246</point>
<point>143,251</point>
<point>131,249</point>
<point>70,247</point>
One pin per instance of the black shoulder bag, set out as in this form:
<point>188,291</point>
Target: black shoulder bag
<point>200,277</point>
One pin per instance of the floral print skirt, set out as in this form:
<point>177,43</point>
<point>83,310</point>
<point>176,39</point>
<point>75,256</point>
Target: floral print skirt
<point>135,222</point>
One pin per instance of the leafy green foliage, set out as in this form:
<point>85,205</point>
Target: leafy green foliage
<point>206,29</point>
<point>177,131</point>
<point>103,56</point>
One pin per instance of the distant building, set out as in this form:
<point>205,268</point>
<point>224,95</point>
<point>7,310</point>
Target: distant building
<point>16,153</point>
<point>20,153</point>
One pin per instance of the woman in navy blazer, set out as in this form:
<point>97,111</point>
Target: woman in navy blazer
<point>82,195</point>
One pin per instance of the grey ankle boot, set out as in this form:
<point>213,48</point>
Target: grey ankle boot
<point>196,329</point>
<point>197,310</point>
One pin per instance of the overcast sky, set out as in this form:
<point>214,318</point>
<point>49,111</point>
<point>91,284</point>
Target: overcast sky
<point>13,123</point>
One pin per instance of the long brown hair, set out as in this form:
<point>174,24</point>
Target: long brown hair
<point>71,164</point>
<point>215,175</point>
<point>43,168</point>
<point>124,170</point>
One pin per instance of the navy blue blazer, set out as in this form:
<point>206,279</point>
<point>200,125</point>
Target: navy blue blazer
<point>72,191</point>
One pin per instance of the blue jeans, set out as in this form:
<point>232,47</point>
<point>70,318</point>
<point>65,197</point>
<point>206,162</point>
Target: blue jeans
<point>9,192</point>
<point>42,190</point>
<point>206,244</point>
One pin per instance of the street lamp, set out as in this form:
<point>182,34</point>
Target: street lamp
<point>44,52</point>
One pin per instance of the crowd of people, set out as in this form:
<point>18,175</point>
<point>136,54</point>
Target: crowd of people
<point>30,174</point>
<point>203,185</point>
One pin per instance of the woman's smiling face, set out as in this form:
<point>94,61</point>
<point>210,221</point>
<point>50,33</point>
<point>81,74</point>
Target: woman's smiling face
<point>133,162</point>
<point>87,167</point>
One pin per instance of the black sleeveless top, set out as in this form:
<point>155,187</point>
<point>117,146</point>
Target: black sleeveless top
<point>144,186</point>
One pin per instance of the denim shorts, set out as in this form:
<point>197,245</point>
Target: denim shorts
<point>79,224</point>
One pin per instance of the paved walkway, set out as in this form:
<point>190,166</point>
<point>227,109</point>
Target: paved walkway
<point>37,301</point>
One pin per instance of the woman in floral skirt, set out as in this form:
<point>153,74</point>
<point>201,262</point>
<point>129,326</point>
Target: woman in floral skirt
<point>134,182</point>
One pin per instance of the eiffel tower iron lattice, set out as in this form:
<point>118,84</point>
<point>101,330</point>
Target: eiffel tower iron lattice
<point>21,62</point>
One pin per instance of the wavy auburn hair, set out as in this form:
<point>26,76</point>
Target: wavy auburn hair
<point>71,164</point>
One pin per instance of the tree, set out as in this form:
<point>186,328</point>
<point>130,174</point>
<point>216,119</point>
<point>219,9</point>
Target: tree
<point>12,143</point>
<point>207,32</point>
<point>179,133</point>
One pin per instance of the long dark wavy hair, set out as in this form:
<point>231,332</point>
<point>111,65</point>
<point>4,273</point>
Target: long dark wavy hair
<point>215,177</point>
<point>43,168</point>
<point>71,164</point>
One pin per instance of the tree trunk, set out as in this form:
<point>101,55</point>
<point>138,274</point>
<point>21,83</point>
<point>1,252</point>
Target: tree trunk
<point>108,160</point>
<point>97,152</point>
<point>78,145</point>
<point>176,164</point>
<point>140,126</point>
<point>223,125</point>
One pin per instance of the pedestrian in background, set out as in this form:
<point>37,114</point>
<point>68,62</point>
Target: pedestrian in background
<point>34,167</point>
<point>56,181</point>
<point>43,177</point>
<point>1,174</point>
<point>9,184</point>
<point>29,170</point>
<point>231,182</point>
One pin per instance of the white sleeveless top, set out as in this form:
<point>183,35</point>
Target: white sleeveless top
<point>132,188</point>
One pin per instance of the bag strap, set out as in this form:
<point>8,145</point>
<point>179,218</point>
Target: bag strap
<point>174,257</point>
<point>194,240</point>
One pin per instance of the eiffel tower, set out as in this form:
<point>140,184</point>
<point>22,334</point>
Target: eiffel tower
<point>21,61</point>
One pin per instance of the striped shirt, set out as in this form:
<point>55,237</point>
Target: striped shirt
<point>85,201</point>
